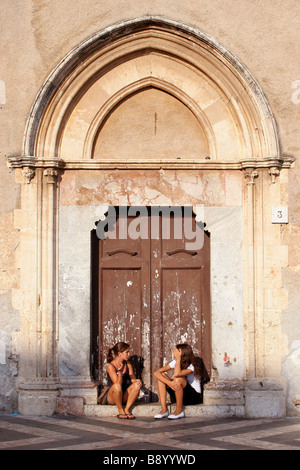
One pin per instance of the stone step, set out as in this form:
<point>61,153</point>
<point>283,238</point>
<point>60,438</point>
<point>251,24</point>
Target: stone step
<point>151,409</point>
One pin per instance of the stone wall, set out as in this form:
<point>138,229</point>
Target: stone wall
<point>35,36</point>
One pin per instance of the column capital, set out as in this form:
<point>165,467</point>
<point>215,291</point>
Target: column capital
<point>250,175</point>
<point>28,173</point>
<point>51,174</point>
<point>274,171</point>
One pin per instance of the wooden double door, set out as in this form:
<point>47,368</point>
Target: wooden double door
<point>150,288</point>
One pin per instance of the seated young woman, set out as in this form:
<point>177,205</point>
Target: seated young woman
<point>185,386</point>
<point>124,388</point>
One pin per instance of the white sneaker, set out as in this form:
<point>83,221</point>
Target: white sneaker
<point>180,415</point>
<point>161,415</point>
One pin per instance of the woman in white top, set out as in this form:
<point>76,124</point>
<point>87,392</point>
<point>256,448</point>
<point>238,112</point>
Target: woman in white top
<point>186,383</point>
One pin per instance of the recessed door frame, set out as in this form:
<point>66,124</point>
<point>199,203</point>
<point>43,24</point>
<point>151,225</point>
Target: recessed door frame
<point>165,310</point>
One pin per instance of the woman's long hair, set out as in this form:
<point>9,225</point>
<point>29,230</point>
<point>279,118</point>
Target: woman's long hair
<point>187,358</point>
<point>112,353</point>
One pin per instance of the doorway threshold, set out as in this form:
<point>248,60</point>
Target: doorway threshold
<point>151,409</point>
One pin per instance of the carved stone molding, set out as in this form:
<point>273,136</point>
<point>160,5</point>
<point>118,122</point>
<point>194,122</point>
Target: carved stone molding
<point>274,172</point>
<point>28,173</point>
<point>250,175</point>
<point>51,175</point>
<point>274,165</point>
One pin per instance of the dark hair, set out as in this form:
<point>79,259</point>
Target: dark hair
<point>187,358</point>
<point>113,352</point>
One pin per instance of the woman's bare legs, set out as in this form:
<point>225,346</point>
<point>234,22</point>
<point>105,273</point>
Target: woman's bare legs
<point>130,396</point>
<point>114,397</point>
<point>179,395</point>
<point>162,394</point>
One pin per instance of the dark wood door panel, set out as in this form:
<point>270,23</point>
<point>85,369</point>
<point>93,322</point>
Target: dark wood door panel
<point>181,308</point>
<point>151,293</point>
<point>121,306</point>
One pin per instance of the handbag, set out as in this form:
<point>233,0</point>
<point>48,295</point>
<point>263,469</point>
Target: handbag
<point>102,397</point>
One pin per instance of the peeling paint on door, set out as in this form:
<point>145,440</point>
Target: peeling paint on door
<point>154,299</point>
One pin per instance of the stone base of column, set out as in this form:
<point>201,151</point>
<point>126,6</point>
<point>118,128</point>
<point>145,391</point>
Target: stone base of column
<point>74,393</point>
<point>265,397</point>
<point>220,392</point>
<point>38,397</point>
<point>260,398</point>
<point>45,397</point>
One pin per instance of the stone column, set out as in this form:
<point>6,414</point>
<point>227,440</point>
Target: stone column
<point>264,391</point>
<point>38,393</point>
<point>48,319</point>
<point>249,220</point>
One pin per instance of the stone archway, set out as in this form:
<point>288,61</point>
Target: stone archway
<point>70,128</point>
<point>159,54</point>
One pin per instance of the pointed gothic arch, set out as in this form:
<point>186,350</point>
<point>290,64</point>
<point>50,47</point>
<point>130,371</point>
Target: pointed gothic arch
<point>161,53</point>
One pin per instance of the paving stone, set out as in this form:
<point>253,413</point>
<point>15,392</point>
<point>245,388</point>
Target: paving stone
<point>146,434</point>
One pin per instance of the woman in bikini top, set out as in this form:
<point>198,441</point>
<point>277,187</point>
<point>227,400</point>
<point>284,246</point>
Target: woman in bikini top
<point>126,382</point>
<point>124,387</point>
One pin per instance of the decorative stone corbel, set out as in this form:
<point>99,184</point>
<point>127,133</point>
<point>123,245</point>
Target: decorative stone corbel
<point>28,173</point>
<point>274,172</point>
<point>30,164</point>
<point>272,164</point>
<point>250,175</point>
<point>51,175</point>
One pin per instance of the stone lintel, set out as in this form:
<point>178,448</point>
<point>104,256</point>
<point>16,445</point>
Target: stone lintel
<point>273,164</point>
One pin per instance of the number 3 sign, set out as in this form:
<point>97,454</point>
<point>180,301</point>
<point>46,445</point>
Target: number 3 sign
<point>280,215</point>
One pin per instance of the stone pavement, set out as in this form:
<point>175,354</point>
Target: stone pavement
<point>146,434</point>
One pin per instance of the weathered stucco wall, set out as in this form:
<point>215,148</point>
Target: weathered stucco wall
<point>82,198</point>
<point>36,35</point>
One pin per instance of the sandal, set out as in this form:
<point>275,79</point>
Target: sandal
<point>122,416</point>
<point>130,416</point>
